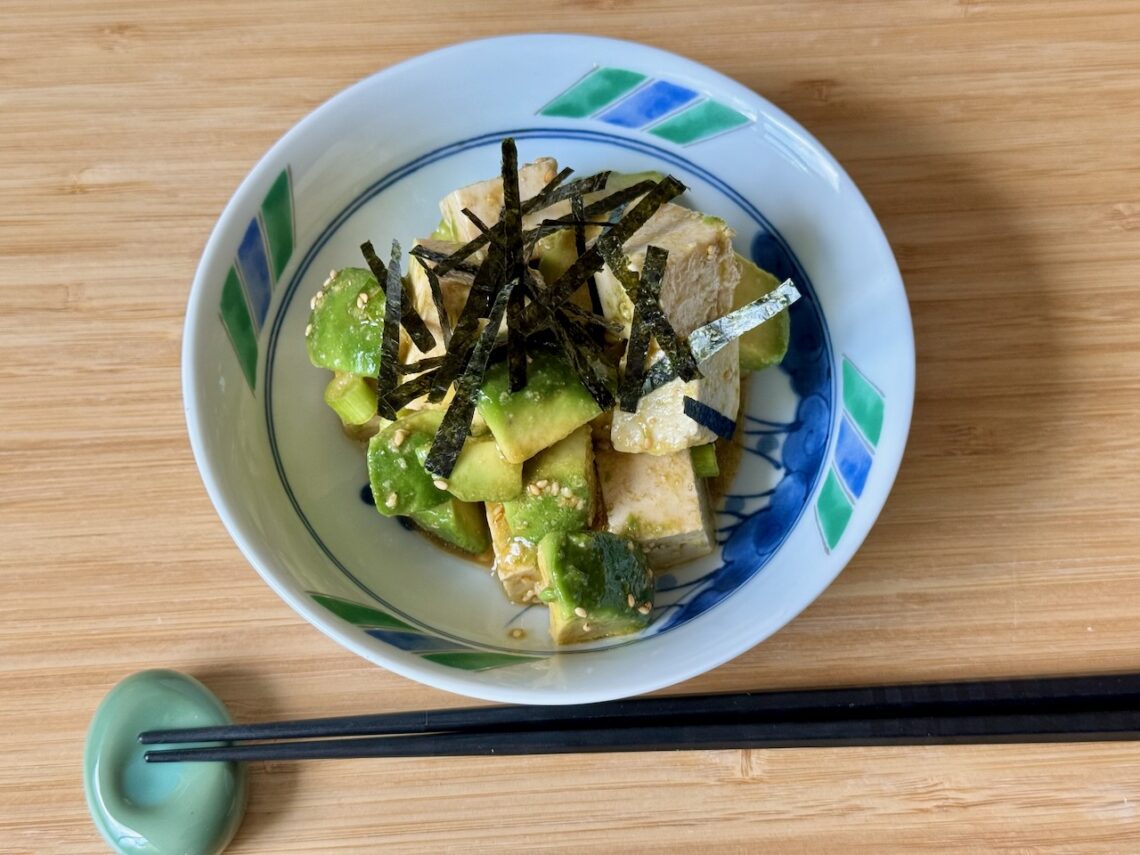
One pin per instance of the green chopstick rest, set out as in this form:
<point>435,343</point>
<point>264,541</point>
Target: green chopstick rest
<point>145,808</point>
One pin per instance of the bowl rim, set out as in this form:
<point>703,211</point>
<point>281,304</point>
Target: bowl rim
<point>430,673</point>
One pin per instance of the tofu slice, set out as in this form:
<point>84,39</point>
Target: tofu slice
<point>516,560</point>
<point>658,501</point>
<point>700,276</point>
<point>660,425</point>
<point>485,198</point>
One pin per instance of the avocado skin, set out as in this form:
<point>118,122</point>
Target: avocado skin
<point>400,484</point>
<point>590,579</point>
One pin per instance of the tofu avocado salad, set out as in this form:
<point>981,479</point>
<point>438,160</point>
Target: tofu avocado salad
<point>547,386</point>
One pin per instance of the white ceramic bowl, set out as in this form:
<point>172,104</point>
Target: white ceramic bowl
<point>825,431</point>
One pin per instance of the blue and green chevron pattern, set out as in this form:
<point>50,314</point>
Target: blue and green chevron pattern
<point>404,636</point>
<point>265,249</point>
<point>860,428</point>
<point>630,99</point>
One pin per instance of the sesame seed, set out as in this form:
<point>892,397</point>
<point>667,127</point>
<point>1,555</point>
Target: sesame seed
<point>313,302</point>
<point>533,489</point>
<point>581,612</point>
<point>308,330</point>
<point>440,484</point>
<point>541,484</point>
<point>586,627</point>
<point>398,437</point>
<point>390,502</point>
<point>361,300</point>
<point>645,608</point>
<point>567,492</point>
<point>333,274</point>
<point>632,602</point>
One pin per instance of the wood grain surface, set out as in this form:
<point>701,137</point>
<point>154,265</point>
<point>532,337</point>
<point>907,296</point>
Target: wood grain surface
<point>998,142</point>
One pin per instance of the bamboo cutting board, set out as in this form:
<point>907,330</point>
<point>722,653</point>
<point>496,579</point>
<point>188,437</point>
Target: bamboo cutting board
<point>998,142</point>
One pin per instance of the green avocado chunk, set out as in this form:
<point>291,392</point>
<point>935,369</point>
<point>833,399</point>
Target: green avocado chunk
<point>766,344</point>
<point>560,492</point>
<point>597,584</point>
<point>397,468</point>
<point>345,328</point>
<point>400,484</point>
<point>553,405</point>
<point>462,524</point>
<point>481,473</point>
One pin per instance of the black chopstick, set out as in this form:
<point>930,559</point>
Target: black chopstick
<point>979,697</point>
<point>1089,726</point>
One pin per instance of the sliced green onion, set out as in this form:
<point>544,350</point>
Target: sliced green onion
<point>351,398</point>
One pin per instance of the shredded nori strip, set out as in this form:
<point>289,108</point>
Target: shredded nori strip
<point>435,256</point>
<point>510,232</point>
<point>581,186</point>
<point>580,249</point>
<point>704,342</point>
<point>675,346</point>
<point>586,368</point>
<point>390,333</point>
<point>437,301</point>
<point>491,276</point>
<point>569,282</point>
<point>659,373</point>
<point>480,225</point>
<point>456,424</point>
<point>710,338</point>
<point>405,393</point>
<point>535,203</point>
<point>420,365</point>
<point>585,316</point>
<point>409,318</point>
<point>516,343</point>
<point>616,201</point>
<point>706,416</point>
<point>645,297</point>
<point>581,350</point>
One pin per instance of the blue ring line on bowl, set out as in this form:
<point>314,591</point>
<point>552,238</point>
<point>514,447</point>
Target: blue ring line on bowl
<point>777,245</point>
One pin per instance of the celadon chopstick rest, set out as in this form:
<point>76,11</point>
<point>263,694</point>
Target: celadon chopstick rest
<point>159,809</point>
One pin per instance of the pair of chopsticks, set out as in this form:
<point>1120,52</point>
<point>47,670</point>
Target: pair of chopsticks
<point>1067,709</point>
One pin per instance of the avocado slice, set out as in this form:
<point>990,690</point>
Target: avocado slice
<point>462,524</point>
<point>482,474</point>
<point>560,492</point>
<point>553,405</point>
<point>597,584</point>
<point>346,323</point>
<point>766,344</point>
<point>400,484</point>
